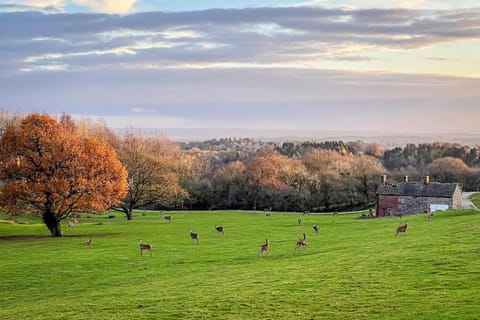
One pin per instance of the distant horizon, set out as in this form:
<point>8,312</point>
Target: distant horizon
<point>278,135</point>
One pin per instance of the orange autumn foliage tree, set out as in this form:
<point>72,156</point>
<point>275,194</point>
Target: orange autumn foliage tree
<point>49,172</point>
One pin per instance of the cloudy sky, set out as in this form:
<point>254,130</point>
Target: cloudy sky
<point>363,65</point>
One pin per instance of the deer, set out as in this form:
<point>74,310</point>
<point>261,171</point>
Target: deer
<point>306,212</point>
<point>264,247</point>
<point>267,211</point>
<point>90,241</point>
<point>168,218</point>
<point>144,246</point>
<point>316,228</point>
<point>194,236</point>
<point>71,224</point>
<point>220,229</point>
<point>299,221</point>
<point>430,216</point>
<point>402,229</point>
<point>302,242</point>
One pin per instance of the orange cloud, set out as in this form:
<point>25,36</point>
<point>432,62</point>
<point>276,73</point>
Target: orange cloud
<point>108,6</point>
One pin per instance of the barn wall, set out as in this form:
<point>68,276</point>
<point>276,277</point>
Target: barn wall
<point>410,205</point>
<point>384,203</point>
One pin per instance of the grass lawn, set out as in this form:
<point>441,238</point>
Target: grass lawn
<point>353,269</point>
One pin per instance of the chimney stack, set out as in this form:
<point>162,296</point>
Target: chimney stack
<point>383,179</point>
<point>427,180</point>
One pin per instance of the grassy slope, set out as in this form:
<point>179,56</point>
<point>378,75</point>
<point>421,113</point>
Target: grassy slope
<point>475,198</point>
<point>354,269</point>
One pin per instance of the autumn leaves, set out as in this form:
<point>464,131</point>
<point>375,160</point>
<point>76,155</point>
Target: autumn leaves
<point>57,173</point>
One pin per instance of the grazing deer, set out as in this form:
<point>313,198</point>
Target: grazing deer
<point>194,236</point>
<point>430,216</point>
<point>402,229</point>
<point>71,224</point>
<point>299,221</point>
<point>316,228</point>
<point>268,211</point>
<point>220,230</point>
<point>144,246</point>
<point>168,218</point>
<point>90,241</point>
<point>302,242</point>
<point>264,247</point>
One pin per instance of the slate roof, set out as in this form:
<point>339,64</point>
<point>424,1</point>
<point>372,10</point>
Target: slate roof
<point>418,189</point>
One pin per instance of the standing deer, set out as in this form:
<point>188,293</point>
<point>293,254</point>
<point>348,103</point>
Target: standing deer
<point>316,228</point>
<point>168,218</point>
<point>402,229</point>
<point>220,229</point>
<point>90,241</point>
<point>71,224</point>
<point>299,221</point>
<point>302,242</point>
<point>144,246</point>
<point>267,211</point>
<point>194,236</point>
<point>430,216</point>
<point>264,247</point>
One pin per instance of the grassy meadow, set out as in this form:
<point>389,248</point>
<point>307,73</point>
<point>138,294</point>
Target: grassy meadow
<point>353,269</point>
<point>475,198</point>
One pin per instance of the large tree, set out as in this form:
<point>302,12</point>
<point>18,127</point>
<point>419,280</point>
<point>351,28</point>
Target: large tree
<point>263,173</point>
<point>50,172</point>
<point>152,172</point>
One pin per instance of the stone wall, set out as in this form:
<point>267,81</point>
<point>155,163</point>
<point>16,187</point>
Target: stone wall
<point>410,205</point>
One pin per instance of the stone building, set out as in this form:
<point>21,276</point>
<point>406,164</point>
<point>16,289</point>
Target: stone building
<point>404,198</point>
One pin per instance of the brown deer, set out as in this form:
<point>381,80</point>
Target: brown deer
<point>90,241</point>
<point>316,228</point>
<point>194,236</point>
<point>302,242</point>
<point>168,218</point>
<point>267,211</point>
<point>144,246</point>
<point>220,229</point>
<point>430,216</point>
<point>402,229</point>
<point>71,224</point>
<point>264,247</point>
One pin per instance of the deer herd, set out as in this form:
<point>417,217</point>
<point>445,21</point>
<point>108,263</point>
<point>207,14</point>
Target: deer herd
<point>263,248</point>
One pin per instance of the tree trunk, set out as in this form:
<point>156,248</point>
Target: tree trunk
<point>129,214</point>
<point>52,224</point>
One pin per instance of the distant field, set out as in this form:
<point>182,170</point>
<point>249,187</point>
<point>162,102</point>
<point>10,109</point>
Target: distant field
<point>353,269</point>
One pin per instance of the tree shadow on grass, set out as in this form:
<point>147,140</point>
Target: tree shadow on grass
<point>43,236</point>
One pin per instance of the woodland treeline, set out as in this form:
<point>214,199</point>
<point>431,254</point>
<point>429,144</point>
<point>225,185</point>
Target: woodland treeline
<point>242,173</point>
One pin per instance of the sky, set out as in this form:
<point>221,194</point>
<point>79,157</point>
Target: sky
<point>406,66</point>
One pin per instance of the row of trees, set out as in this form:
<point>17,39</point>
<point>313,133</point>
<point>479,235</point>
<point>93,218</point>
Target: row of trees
<point>59,167</point>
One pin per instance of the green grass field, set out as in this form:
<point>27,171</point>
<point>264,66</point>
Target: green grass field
<point>475,198</point>
<point>353,269</point>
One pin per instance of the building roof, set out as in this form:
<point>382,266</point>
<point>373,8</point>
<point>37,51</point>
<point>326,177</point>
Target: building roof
<point>418,189</point>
